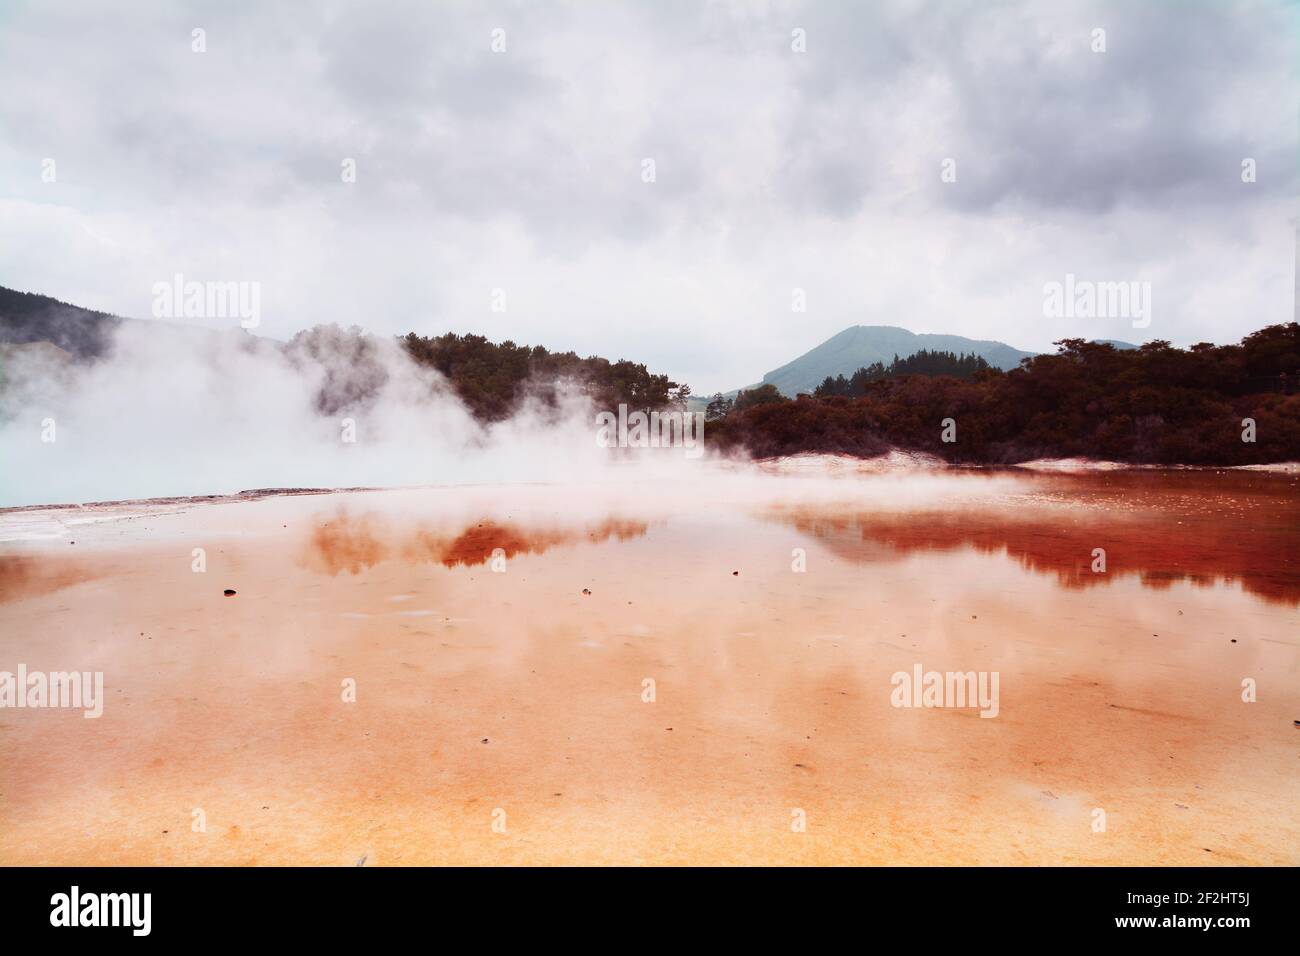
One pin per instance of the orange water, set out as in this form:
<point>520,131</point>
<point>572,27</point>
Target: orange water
<point>512,697</point>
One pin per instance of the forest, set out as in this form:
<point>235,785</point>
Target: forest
<point>492,379</point>
<point>924,362</point>
<point>1204,405</point>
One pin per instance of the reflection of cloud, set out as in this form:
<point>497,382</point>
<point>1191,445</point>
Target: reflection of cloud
<point>352,544</point>
<point>1190,529</point>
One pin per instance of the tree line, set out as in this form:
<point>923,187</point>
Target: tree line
<point>1205,405</point>
<point>924,362</point>
<point>492,379</point>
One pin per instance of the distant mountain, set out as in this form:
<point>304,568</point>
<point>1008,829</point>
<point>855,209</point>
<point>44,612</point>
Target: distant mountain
<point>861,345</point>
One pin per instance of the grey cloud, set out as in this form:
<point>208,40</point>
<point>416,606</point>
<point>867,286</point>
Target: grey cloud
<point>774,168</point>
<point>1181,95</point>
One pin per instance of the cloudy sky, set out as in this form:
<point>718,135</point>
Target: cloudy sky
<point>775,169</point>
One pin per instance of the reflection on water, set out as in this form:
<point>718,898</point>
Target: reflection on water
<point>1179,527</point>
<point>526,690</point>
<point>352,543</point>
<point>1159,527</point>
<point>23,576</point>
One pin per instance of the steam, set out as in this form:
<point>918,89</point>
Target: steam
<point>181,412</point>
<point>172,411</point>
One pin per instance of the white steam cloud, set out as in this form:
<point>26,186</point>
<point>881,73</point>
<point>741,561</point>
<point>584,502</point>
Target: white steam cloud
<point>174,412</point>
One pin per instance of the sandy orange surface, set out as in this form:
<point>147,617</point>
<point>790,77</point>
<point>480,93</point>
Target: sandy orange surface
<point>513,696</point>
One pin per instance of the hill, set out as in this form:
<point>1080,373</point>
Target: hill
<point>42,336</point>
<point>859,346</point>
<point>26,317</point>
<point>84,334</point>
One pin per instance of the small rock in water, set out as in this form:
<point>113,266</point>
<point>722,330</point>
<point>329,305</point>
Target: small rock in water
<point>586,591</point>
<point>735,574</point>
<point>229,592</point>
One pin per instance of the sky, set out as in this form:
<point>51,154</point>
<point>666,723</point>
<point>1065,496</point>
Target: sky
<point>927,165</point>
